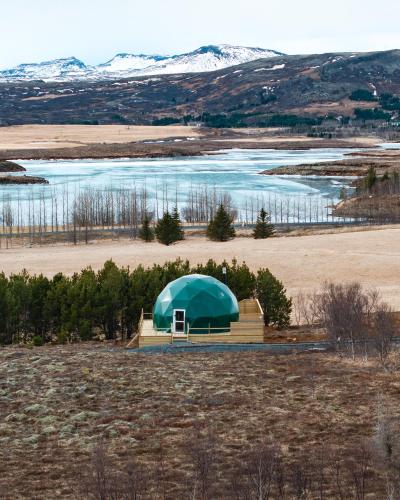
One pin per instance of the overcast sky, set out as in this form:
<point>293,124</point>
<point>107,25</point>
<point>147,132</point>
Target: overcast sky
<point>95,30</point>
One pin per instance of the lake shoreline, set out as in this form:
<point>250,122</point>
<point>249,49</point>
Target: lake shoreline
<point>184,148</point>
<point>355,164</point>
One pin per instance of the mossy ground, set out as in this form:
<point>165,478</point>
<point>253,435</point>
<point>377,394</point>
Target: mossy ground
<point>57,402</point>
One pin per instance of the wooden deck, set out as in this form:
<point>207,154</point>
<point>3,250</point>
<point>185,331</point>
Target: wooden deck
<point>248,330</point>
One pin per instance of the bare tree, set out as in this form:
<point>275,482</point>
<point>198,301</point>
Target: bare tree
<point>383,331</point>
<point>104,481</point>
<point>345,312</point>
<point>306,308</point>
<point>300,479</point>
<point>261,474</point>
<point>201,449</point>
<point>387,448</point>
<point>359,466</point>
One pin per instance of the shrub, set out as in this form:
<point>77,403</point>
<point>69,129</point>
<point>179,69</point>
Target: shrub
<point>37,341</point>
<point>168,120</point>
<point>370,178</point>
<point>62,337</point>
<point>390,102</point>
<point>221,227</point>
<point>109,302</point>
<point>362,95</point>
<point>85,330</point>
<point>146,232</point>
<point>271,294</point>
<point>371,114</point>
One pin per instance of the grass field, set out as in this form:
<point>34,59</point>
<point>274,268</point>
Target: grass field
<point>371,257</point>
<point>63,136</point>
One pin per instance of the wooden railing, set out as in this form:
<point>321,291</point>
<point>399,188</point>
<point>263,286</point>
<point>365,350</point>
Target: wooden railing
<point>221,329</point>
<point>249,328</point>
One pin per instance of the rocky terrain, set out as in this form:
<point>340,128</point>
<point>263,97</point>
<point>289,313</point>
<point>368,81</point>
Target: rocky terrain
<point>249,94</point>
<point>356,164</point>
<point>22,179</point>
<point>9,166</point>
<point>58,402</point>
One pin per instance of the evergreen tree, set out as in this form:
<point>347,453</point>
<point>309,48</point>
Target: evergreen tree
<point>274,302</point>
<point>146,232</point>
<point>178,230</point>
<point>264,229</point>
<point>370,178</point>
<point>385,177</point>
<point>221,227</point>
<point>169,229</point>
<point>111,298</point>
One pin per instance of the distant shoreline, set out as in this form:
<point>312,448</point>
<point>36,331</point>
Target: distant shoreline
<point>167,150</point>
<point>71,142</point>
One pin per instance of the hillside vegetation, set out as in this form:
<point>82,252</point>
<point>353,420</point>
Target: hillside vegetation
<point>278,91</point>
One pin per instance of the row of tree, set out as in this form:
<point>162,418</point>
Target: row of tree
<point>73,215</point>
<point>264,470</point>
<point>169,228</point>
<point>109,302</point>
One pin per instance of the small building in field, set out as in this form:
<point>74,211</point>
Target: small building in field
<point>200,309</point>
<point>195,303</point>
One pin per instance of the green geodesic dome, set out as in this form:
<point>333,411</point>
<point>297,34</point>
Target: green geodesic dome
<point>206,301</point>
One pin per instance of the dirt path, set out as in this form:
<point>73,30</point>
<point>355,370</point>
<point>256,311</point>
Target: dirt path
<point>303,262</point>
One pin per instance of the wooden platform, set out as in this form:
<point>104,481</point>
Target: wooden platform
<point>248,330</point>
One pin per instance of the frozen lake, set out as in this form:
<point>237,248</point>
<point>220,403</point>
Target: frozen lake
<point>235,172</point>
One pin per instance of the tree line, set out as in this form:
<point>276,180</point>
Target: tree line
<point>376,197</point>
<point>108,303</point>
<point>169,228</point>
<point>364,468</point>
<point>63,214</point>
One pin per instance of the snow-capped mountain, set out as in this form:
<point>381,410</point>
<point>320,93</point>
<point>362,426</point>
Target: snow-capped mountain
<point>129,63</point>
<point>68,68</point>
<point>208,58</point>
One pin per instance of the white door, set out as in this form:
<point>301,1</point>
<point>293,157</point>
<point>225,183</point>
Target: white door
<point>179,321</point>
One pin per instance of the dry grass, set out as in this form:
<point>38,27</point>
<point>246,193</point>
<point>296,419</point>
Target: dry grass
<point>62,136</point>
<point>57,402</point>
<point>43,141</point>
<point>301,263</point>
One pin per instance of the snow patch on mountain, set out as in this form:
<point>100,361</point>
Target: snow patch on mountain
<point>69,67</point>
<point>208,58</point>
<point>129,62</point>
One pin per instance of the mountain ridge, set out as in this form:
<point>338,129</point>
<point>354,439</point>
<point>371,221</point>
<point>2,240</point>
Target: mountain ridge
<point>263,92</point>
<point>125,65</point>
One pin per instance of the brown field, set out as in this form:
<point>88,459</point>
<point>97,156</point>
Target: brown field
<point>63,136</point>
<point>371,257</point>
<point>87,141</point>
<point>58,402</point>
